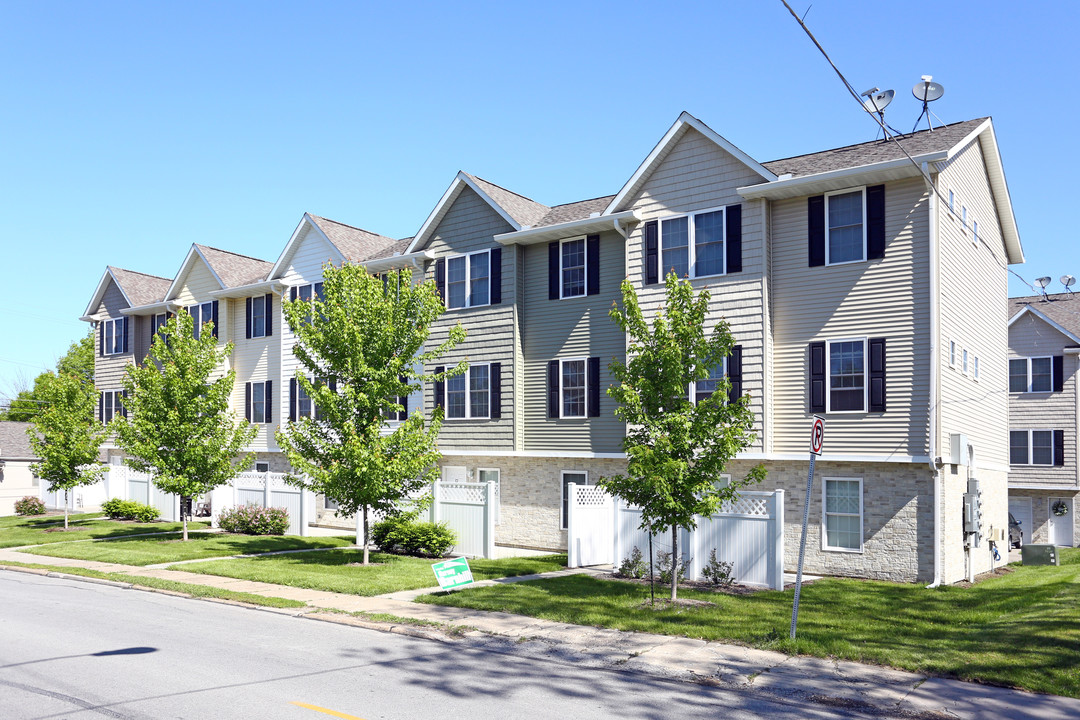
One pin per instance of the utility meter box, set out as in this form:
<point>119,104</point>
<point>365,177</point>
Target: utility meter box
<point>973,513</point>
<point>958,452</point>
<point>1039,555</point>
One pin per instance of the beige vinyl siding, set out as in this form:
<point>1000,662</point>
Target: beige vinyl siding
<point>468,226</point>
<point>698,175</point>
<point>969,275</point>
<point>878,298</point>
<point>304,267</point>
<point>1033,337</point>
<point>570,328</point>
<point>198,285</point>
<point>109,369</point>
<point>257,360</point>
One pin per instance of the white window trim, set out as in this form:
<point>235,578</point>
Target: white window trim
<point>963,218</point>
<point>952,353</point>
<point>562,389</point>
<point>199,321</point>
<point>265,315</point>
<point>845,191</point>
<point>159,321</point>
<point>468,279</point>
<point>964,363</point>
<point>585,267</point>
<point>975,369</point>
<point>111,402</point>
<point>828,377</point>
<point>562,492</point>
<point>691,244</point>
<point>1028,360</point>
<point>692,390</point>
<point>262,400</point>
<point>1031,446</point>
<point>468,405</point>
<point>974,232</point>
<point>825,547</point>
<point>952,203</point>
<point>114,327</point>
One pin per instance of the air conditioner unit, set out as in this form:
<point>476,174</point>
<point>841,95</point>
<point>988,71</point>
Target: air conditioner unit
<point>958,449</point>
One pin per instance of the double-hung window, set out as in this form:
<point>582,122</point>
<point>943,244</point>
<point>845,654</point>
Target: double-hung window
<point>573,387</point>
<point>572,267</point>
<point>1031,447</point>
<point>113,337</point>
<point>468,395</point>
<point>159,321</point>
<point>693,245</point>
<point>845,229</point>
<point>111,405</point>
<point>468,280</point>
<point>1031,374</point>
<point>842,517</point>
<point>259,320</point>
<point>202,314</point>
<point>847,376</point>
<point>258,402</point>
<point>702,389</point>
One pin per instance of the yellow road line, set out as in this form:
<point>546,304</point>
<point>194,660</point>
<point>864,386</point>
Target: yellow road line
<point>325,711</point>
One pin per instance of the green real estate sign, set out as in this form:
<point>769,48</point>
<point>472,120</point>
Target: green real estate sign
<point>453,573</point>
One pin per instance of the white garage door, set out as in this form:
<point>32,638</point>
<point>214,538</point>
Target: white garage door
<point>1021,510</point>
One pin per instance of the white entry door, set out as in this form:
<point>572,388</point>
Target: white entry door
<point>1021,510</point>
<point>1061,526</point>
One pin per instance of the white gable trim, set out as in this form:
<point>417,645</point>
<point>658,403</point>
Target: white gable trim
<point>446,202</point>
<point>286,255</point>
<point>1042,316</point>
<point>99,293</point>
<point>193,254</point>
<point>672,136</point>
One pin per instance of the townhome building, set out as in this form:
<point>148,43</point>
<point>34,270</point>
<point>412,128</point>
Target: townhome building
<point>852,279</point>
<point>1044,398</point>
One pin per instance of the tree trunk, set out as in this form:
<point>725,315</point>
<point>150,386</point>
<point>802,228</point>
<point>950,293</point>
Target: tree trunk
<point>365,534</point>
<point>65,510</point>
<point>359,530</point>
<point>184,518</point>
<point>674,561</point>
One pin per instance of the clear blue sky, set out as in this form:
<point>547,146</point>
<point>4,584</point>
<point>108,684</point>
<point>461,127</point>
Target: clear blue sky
<point>130,130</point>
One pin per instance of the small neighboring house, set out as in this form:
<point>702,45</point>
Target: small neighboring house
<point>16,479</point>
<point>1044,395</point>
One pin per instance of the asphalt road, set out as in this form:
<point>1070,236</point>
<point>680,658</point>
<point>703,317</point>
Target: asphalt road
<point>70,649</point>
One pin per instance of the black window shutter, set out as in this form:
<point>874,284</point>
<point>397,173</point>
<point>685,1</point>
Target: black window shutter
<point>268,397</point>
<point>125,331</point>
<point>553,389</point>
<point>440,388</point>
<point>875,222</point>
<point>292,293</point>
<point>268,311</point>
<point>214,317</point>
<point>652,252</point>
<point>1059,447</point>
<point>496,276</point>
<point>247,318</point>
<point>1059,373</point>
<point>101,407</point>
<point>733,232</point>
<point>817,377</point>
<point>101,337</point>
<point>815,223</point>
<point>153,329</point>
<point>247,401</point>
<point>877,374</point>
<point>734,373</point>
<point>123,404</point>
<point>496,390</point>
<point>592,381</point>
<point>592,265</point>
<point>553,271</point>
<point>292,399</point>
<point>440,278</point>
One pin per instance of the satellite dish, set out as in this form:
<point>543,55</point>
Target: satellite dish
<point>1067,281</point>
<point>877,100</point>
<point>928,92</point>
<point>1042,282</point>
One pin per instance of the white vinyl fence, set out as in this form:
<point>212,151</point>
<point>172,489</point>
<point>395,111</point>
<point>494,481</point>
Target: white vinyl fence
<point>266,490</point>
<point>748,533</point>
<point>469,509</point>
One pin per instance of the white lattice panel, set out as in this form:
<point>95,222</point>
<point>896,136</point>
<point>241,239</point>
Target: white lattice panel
<point>747,506</point>
<point>277,481</point>
<point>592,496</point>
<point>462,493</point>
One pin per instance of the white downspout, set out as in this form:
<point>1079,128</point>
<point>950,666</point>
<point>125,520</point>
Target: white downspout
<point>938,479</point>
<point>621,230</point>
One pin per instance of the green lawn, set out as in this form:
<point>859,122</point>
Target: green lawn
<point>333,570</point>
<point>152,551</point>
<point>1021,629</point>
<point>186,588</point>
<point>16,530</point>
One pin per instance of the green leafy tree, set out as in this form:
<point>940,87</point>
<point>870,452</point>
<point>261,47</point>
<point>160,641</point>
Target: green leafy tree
<point>179,427</point>
<point>64,433</point>
<point>359,348</point>
<point>676,448</point>
<point>79,361</point>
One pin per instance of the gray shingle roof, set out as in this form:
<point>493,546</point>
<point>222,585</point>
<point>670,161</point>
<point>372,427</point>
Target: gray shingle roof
<point>574,211</point>
<point>235,270</point>
<point>355,244</point>
<point>924,141</point>
<point>14,444</point>
<point>1062,308</point>
<point>522,209</point>
<point>140,288</point>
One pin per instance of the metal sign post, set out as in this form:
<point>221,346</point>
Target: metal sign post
<point>817,438</point>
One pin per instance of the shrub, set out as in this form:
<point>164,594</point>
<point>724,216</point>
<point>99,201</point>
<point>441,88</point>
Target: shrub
<point>30,505</point>
<point>663,566</point>
<point>129,510</point>
<point>717,572</point>
<point>254,520</point>
<point>633,566</point>
<point>403,534</point>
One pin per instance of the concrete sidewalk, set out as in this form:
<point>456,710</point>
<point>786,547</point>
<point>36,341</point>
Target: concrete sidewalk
<point>842,684</point>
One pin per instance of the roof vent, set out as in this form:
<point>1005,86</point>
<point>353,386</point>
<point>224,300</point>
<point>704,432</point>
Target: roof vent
<point>594,214</point>
<point>785,176</point>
